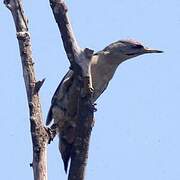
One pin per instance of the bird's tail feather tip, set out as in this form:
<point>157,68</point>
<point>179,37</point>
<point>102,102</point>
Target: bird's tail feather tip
<point>49,117</point>
<point>66,166</point>
<point>65,150</point>
<point>66,161</point>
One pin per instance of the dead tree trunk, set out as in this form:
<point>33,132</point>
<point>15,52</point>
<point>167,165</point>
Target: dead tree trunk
<point>38,132</point>
<point>80,61</point>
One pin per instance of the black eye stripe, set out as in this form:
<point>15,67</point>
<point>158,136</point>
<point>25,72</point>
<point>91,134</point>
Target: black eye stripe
<point>138,46</point>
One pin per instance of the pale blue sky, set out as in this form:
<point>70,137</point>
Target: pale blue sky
<point>136,135</point>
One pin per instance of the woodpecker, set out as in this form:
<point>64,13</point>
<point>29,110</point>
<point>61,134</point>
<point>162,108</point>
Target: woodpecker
<point>64,102</point>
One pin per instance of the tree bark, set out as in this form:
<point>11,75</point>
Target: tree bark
<point>80,61</point>
<point>38,132</point>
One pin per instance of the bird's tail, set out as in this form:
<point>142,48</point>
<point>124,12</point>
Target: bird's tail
<point>66,138</point>
<point>49,117</point>
<point>65,149</point>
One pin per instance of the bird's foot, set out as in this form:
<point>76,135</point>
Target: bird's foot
<point>91,106</point>
<point>52,131</point>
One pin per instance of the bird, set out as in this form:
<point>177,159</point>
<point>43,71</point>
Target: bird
<point>63,107</point>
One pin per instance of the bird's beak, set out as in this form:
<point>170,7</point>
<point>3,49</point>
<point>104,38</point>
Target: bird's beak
<point>148,50</point>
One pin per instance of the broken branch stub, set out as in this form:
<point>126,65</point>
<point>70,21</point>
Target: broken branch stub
<point>77,56</point>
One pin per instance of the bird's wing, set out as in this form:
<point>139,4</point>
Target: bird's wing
<point>98,92</point>
<point>59,93</point>
<point>64,84</point>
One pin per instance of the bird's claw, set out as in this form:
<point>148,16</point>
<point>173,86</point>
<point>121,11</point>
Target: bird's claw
<point>92,106</point>
<point>51,132</point>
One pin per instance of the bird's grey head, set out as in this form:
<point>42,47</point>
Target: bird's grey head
<point>126,49</point>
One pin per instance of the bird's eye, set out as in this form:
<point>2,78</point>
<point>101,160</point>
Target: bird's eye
<point>138,46</point>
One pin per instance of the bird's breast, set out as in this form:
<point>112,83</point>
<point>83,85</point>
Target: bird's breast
<point>102,73</point>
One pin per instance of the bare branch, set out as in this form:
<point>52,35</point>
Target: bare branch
<point>80,61</point>
<point>70,43</point>
<point>75,54</point>
<point>80,149</point>
<point>38,132</point>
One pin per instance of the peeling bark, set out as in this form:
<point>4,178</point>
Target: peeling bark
<point>38,132</point>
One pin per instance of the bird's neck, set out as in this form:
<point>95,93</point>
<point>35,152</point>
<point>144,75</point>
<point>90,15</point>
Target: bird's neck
<point>108,61</point>
<point>103,67</point>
